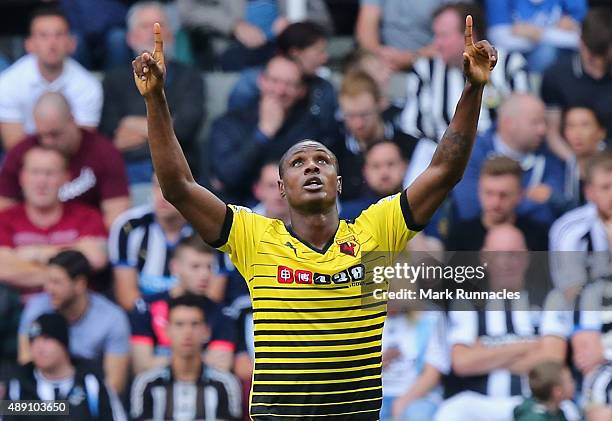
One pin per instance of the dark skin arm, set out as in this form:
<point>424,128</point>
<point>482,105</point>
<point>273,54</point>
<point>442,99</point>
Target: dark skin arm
<point>198,205</point>
<point>429,190</point>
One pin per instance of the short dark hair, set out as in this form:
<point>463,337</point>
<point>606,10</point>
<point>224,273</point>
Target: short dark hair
<point>187,300</point>
<point>194,242</point>
<point>501,165</point>
<point>299,35</point>
<point>285,156</point>
<point>377,143</point>
<point>462,10</point>
<point>543,377</point>
<point>73,262</point>
<point>47,11</point>
<point>597,31</point>
<point>598,119</point>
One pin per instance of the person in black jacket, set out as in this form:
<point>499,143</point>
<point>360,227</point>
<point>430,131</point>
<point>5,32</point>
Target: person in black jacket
<point>54,376</point>
<point>124,115</point>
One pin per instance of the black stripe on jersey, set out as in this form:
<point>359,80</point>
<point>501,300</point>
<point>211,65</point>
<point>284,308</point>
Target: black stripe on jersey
<point>283,366</point>
<point>322,321</point>
<point>308,377</point>
<point>295,286</point>
<point>318,399</point>
<point>317,310</point>
<point>340,408</point>
<point>318,354</point>
<point>335,342</point>
<point>352,297</point>
<point>225,228</point>
<point>407,212</point>
<point>321,332</point>
<point>302,387</point>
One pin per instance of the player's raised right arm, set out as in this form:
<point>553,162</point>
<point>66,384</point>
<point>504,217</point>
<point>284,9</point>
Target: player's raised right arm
<point>198,205</point>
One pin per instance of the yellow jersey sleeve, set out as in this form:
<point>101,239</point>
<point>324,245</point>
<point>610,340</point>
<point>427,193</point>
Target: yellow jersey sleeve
<point>241,232</point>
<point>390,222</point>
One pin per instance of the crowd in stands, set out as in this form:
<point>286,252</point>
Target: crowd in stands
<point>110,300</point>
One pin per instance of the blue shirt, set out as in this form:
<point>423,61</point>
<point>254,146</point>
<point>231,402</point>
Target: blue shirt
<point>538,12</point>
<point>262,14</point>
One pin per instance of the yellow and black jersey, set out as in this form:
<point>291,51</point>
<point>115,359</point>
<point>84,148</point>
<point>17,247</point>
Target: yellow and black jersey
<point>317,342</point>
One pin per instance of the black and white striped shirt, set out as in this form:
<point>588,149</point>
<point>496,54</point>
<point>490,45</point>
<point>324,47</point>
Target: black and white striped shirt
<point>157,395</point>
<point>137,241</point>
<point>433,89</point>
<point>578,245</point>
<point>598,386</point>
<point>498,325</point>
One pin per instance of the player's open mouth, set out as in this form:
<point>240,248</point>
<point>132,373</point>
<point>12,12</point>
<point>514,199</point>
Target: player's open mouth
<point>313,184</point>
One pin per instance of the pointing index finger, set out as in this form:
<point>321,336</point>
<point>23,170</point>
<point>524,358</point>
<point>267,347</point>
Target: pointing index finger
<point>469,40</point>
<point>159,43</point>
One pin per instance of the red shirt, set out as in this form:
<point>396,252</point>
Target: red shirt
<point>97,171</point>
<point>77,221</point>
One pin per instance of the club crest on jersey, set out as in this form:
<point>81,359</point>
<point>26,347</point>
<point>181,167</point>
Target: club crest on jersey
<point>348,245</point>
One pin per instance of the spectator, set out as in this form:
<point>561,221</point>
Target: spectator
<point>499,193</point>
<point>47,67</point>
<point>405,345</point>
<point>383,171</point>
<point>399,31</point>
<point>99,330</point>
<point>551,383</point>
<point>435,84</point>
<point>537,29</point>
<point>492,350</point>
<point>241,140</point>
<point>267,192</point>
<point>306,43</point>
<point>365,123</point>
<point>361,60</point>
<point>97,175</point>
<point>598,400</point>
<point>140,244</point>
<point>99,29</point>
<point>124,113</point>
<point>584,229</point>
<point>10,311</point>
<point>581,79</point>
<point>34,231</point>
<point>585,134</point>
<point>253,25</point>
<point>193,266</point>
<point>53,375</point>
<point>205,392</point>
<point>521,128</point>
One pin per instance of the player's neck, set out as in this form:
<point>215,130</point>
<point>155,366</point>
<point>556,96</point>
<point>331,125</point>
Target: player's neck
<point>316,229</point>
<point>187,369</point>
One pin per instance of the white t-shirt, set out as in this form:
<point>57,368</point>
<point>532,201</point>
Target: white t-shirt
<point>22,84</point>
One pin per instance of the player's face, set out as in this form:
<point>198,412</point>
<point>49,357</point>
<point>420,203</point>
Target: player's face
<point>50,40</point>
<point>62,290</point>
<point>599,191</point>
<point>140,37</point>
<point>448,37</point>
<point>310,179</point>
<point>41,177</point>
<point>312,57</point>
<point>361,116</point>
<point>583,132</point>
<point>282,80</point>
<point>499,195</point>
<point>384,169</point>
<point>47,353</point>
<point>267,192</point>
<point>193,269</point>
<point>187,331</point>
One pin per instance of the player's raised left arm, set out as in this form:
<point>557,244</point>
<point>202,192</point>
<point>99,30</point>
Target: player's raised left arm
<point>429,190</point>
